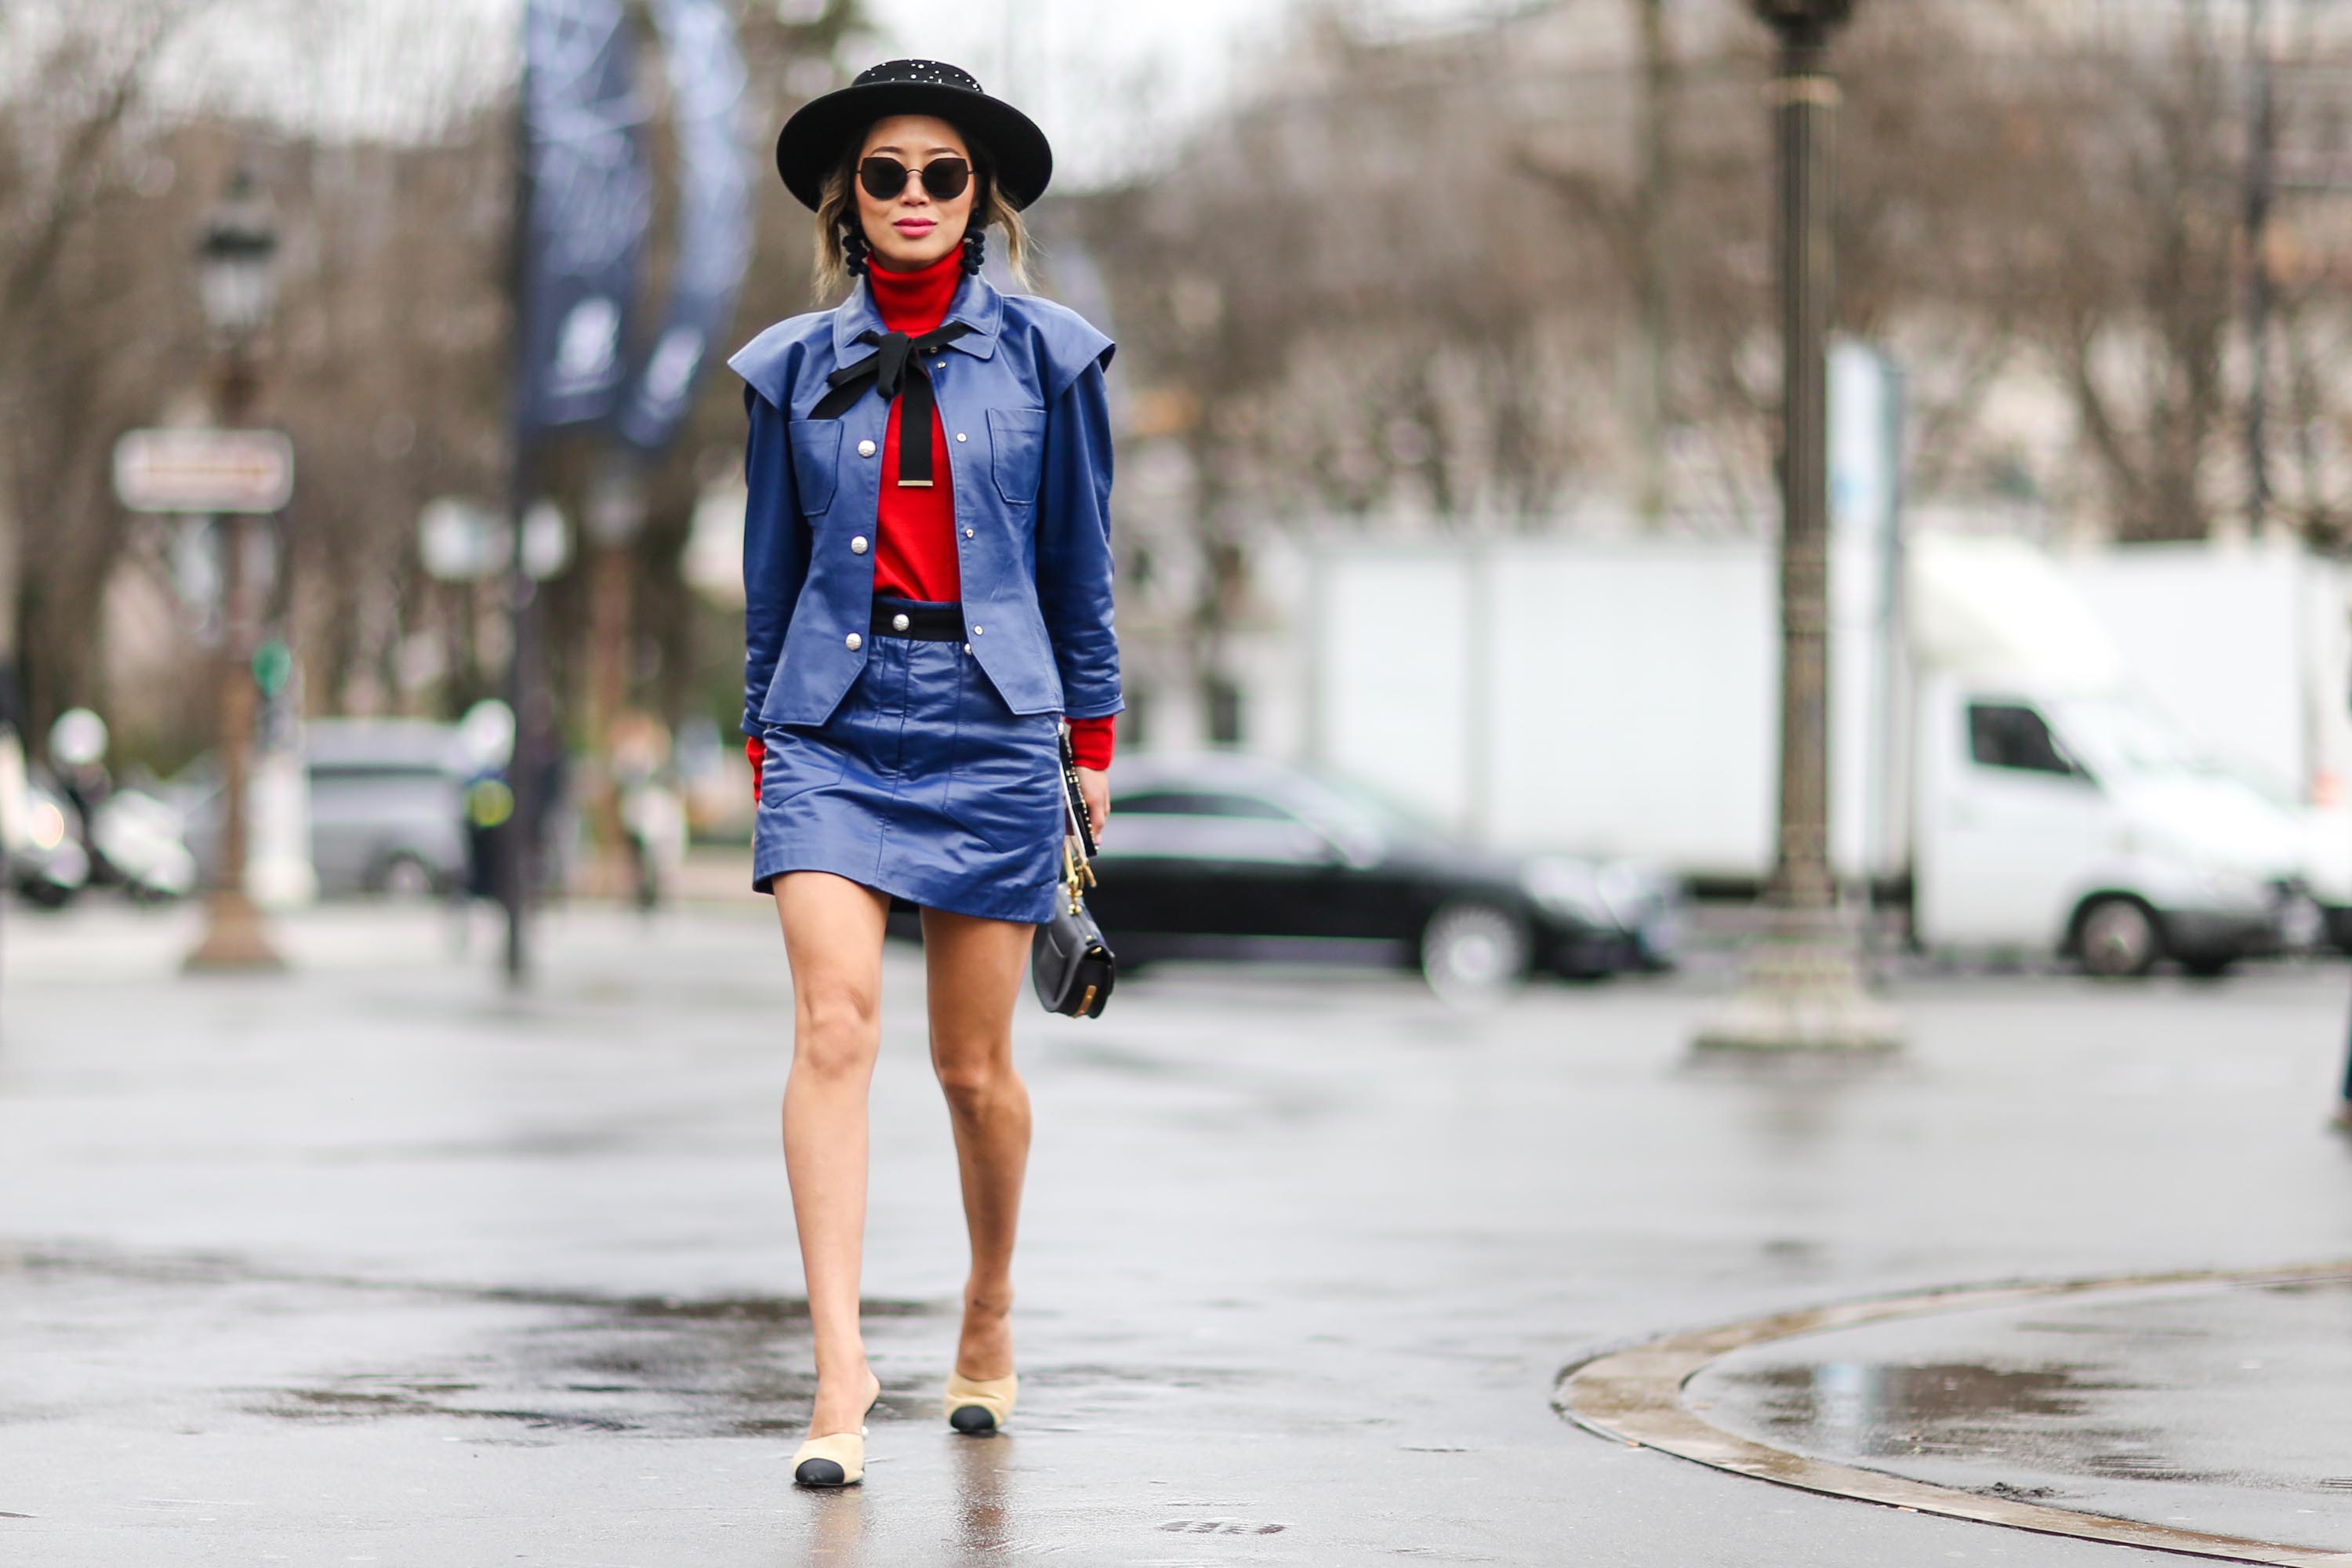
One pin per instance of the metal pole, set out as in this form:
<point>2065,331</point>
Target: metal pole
<point>1896,721</point>
<point>2341,1119</point>
<point>2262,140</point>
<point>1649,219</point>
<point>517,867</point>
<point>1802,987</point>
<point>614,517</point>
<point>1805,96</point>
<point>515,870</point>
<point>2344,1103</point>
<point>234,937</point>
<point>1883,808</point>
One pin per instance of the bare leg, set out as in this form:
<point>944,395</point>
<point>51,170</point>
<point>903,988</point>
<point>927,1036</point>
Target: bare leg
<point>974,971</point>
<point>833,940</point>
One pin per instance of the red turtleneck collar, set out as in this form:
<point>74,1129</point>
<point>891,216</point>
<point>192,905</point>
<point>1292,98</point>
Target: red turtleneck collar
<point>916,301</point>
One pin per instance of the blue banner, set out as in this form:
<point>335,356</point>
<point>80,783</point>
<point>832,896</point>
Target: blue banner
<point>590,202</point>
<point>714,216</point>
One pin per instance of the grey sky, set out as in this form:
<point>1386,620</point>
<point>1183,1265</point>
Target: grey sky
<point>1106,81</point>
<point>1109,82</point>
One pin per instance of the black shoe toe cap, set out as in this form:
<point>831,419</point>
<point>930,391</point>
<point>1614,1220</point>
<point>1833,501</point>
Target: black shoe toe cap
<point>819,1473</point>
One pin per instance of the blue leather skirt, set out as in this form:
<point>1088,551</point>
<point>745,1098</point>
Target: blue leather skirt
<point>922,784</point>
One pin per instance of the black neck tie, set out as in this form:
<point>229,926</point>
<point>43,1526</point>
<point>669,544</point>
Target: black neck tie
<point>895,364</point>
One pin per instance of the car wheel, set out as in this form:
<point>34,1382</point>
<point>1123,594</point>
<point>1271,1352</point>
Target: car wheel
<point>2117,939</point>
<point>1473,950</point>
<point>406,877</point>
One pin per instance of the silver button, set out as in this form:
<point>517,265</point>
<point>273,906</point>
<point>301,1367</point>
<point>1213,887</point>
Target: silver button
<point>959,436</point>
<point>967,534</point>
<point>967,647</point>
<point>854,642</point>
<point>857,545</point>
<point>977,630</point>
<point>898,622</point>
<point>866,449</point>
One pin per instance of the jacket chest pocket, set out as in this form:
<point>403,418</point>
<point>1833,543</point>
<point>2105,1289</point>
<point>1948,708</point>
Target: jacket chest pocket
<point>816,461</point>
<point>1016,452</point>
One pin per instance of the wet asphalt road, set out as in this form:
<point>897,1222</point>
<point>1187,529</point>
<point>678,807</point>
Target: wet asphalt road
<point>2209,1406</point>
<point>374,1264</point>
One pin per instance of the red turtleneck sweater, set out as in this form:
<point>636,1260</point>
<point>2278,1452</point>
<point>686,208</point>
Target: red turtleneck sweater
<point>914,530</point>
<point>914,537</point>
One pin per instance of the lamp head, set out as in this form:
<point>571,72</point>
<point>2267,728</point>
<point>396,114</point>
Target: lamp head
<point>237,259</point>
<point>1809,18</point>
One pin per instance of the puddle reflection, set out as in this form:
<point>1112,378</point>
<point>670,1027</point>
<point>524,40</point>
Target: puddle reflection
<point>838,1533</point>
<point>1953,1409</point>
<point>1892,1409</point>
<point>983,1505</point>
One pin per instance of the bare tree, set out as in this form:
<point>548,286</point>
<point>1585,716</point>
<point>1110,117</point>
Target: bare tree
<point>79,76</point>
<point>388,358</point>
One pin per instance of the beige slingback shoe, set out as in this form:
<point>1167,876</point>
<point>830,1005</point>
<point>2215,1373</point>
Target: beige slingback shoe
<point>836,1459</point>
<point>977,1406</point>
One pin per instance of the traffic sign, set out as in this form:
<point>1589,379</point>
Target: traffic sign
<point>204,471</point>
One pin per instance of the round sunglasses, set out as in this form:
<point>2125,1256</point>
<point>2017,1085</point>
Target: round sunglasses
<point>943,178</point>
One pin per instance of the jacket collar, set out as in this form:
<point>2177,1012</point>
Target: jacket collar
<point>977,305</point>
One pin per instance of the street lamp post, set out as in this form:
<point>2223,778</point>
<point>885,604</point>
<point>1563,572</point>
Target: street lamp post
<point>238,277</point>
<point>1803,988</point>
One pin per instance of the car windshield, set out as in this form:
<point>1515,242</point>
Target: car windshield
<point>2130,736</point>
<point>1359,810</point>
<point>2250,775</point>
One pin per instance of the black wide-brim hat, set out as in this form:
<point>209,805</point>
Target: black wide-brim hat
<point>1008,145</point>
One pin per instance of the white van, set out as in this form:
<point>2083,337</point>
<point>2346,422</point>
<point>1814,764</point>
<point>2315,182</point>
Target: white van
<point>2002,761</point>
<point>2249,644</point>
<point>2082,823</point>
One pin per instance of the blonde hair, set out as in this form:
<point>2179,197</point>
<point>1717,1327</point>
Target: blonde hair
<point>836,208</point>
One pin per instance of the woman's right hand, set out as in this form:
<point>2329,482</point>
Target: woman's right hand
<point>1093,792</point>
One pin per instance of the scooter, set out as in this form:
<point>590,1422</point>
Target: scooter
<point>142,843</point>
<point>50,867</point>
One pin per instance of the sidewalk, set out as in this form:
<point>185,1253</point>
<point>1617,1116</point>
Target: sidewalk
<point>376,1262</point>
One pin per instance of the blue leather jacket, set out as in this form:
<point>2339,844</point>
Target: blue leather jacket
<point>1020,397</point>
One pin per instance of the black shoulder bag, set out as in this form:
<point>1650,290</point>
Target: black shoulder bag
<point>1070,965</point>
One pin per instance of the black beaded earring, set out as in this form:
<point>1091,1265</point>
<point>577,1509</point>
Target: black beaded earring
<point>854,250</point>
<point>975,249</point>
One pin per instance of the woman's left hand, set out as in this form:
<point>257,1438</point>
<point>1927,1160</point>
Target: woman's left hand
<point>1094,790</point>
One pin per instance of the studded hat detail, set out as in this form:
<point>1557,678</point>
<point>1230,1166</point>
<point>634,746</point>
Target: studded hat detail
<point>1006,143</point>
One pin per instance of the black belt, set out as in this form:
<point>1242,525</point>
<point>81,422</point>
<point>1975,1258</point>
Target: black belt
<point>916,619</point>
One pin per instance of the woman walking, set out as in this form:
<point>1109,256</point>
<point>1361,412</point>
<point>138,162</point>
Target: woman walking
<point>928,599</point>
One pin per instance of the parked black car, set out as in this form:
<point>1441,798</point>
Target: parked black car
<point>1221,854</point>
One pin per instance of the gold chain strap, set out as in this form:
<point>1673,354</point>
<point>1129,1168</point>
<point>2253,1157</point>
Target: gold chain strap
<point>1077,876</point>
<point>1078,873</point>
